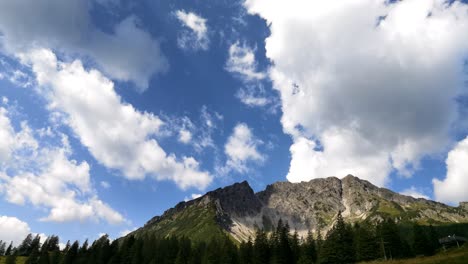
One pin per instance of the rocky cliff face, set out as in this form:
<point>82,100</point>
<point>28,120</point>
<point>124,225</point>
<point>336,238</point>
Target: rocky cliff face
<point>307,206</point>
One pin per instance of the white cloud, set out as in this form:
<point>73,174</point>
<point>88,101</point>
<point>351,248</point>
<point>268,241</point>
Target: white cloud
<point>253,96</point>
<point>452,189</point>
<point>240,149</point>
<point>105,185</point>
<point>46,177</point>
<point>128,53</point>
<point>193,196</point>
<point>116,134</point>
<point>241,61</point>
<point>415,192</point>
<point>366,86</point>
<point>13,229</point>
<point>196,37</point>
<point>185,136</point>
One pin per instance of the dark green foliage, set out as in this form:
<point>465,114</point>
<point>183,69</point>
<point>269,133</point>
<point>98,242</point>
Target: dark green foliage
<point>308,251</point>
<point>343,244</point>
<point>365,242</point>
<point>338,246</point>
<point>246,252</point>
<point>2,248</point>
<point>261,247</point>
<point>10,259</point>
<point>9,249</point>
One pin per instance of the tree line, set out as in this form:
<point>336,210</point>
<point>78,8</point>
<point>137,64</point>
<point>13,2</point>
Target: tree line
<point>344,243</point>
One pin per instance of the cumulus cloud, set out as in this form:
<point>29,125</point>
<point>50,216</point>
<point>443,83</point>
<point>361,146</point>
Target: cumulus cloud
<point>241,61</point>
<point>128,53</point>
<point>195,36</point>
<point>452,189</point>
<point>366,87</point>
<point>46,177</point>
<point>185,136</point>
<point>13,230</point>
<point>119,136</point>
<point>415,192</point>
<point>242,64</point>
<point>240,149</point>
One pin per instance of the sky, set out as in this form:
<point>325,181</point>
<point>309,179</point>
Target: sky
<point>113,111</point>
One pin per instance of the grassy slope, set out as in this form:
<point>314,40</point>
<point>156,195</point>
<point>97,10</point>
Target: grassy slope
<point>454,256</point>
<point>19,260</point>
<point>196,222</point>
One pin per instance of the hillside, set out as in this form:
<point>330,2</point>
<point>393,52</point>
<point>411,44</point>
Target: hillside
<point>237,211</point>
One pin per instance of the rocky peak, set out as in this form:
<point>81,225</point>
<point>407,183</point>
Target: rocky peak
<point>238,199</point>
<point>464,206</point>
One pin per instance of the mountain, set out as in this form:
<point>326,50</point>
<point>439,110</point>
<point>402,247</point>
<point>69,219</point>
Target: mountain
<point>237,210</point>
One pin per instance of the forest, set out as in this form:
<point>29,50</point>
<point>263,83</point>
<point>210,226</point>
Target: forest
<point>344,243</point>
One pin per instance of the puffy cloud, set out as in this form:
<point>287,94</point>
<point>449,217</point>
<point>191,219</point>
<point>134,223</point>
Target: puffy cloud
<point>415,192</point>
<point>241,61</point>
<point>241,148</point>
<point>46,177</point>
<point>13,229</point>
<point>128,53</point>
<point>452,189</point>
<point>116,134</point>
<point>185,136</point>
<point>366,86</point>
<point>196,37</point>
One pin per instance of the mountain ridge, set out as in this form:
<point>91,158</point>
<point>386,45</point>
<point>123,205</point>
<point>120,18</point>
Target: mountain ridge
<point>238,211</point>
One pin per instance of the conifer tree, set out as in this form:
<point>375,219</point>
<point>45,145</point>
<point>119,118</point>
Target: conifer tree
<point>261,248</point>
<point>365,242</point>
<point>338,247</point>
<point>421,242</point>
<point>308,251</point>
<point>9,249</point>
<point>183,256</point>
<point>24,249</point>
<point>72,253</point>
<point>246,252</point>
<point>2,248</point>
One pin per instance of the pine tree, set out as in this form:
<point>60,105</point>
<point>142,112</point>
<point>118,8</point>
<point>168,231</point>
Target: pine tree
<point>2,248</point>
<point>421,242</point>
<point>308,251</point>
<point>34,250</point>
<point>338,247</point>
<point>183,256</point>
<point>391,243</point>
<point>71,255</point>
<point>261,248</point>
<point>24,249</point>
<point>246,252</point>
<point>366,243</point>
<point>9,249</point>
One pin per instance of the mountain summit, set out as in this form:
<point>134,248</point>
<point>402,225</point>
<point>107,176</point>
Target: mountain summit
<point>237,210</point>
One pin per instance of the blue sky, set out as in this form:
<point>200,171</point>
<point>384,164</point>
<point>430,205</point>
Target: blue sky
<point>113,111</point>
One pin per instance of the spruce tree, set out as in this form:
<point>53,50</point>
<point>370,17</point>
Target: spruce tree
<point>338,247</point>
<point>9,249</point>
<point>24,249</point>
<point>308,253</point>
<point>365,242</point>
<point>246,252</point>
<point>183,256</point>
<point>261,248</point>
<point>2,248</point>
<point>71,255</point>
<point>420,241</point>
